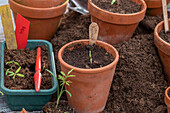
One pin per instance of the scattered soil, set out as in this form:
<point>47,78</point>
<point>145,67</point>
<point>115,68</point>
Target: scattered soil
<point>165,36</point>
<point>125,6</point>
<point>139,82</point>
<point>79,56</point>
<point>63,107</point>
<point>27,60</point>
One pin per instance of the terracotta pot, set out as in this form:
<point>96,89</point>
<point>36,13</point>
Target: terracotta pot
<point>167,99</point>
<point>115,28</point>
<point>154,7</point>
<point>23,111</point>
<point>44,22</point>
<point>39,3</point>
<point>163,49</point>
<point>90,87</point>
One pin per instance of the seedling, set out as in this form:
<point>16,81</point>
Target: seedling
<point>14,74</point>
<point>91,60</point>
<point>1,93</point>
<point>63,82</point>
<point>113,1</point>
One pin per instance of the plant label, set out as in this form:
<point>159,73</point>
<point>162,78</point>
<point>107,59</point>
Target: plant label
<point>21,32</point>
<point>8,27</point>
<point>93,33</point>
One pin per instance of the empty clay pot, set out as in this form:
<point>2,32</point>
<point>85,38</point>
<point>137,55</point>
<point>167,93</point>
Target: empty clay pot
<point>115,28</point>
<point>167,99</point>
<point>154,7</point>
<point>90,87</point>
<point>44,22</point>
<point>40,3</point>
<point>163,49</point>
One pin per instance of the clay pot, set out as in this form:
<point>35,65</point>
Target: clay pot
<point>163,49</point>
<point>44,22</point>
<point>154,7</point>
<point>39,3</point>
<point>167,99</point>
<point>115,28</point>
<point>90,87</point>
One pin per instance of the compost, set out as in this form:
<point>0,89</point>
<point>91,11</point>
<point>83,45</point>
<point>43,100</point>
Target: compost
<point>139,81</point>
<point>165,36</point>
<point>79,56</point>
<point>27,60</point>
<point>125,6</point>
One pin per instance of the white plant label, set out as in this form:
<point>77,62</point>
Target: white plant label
<point>93,33</point>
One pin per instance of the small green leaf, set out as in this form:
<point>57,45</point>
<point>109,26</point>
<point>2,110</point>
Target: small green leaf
<point>67,84</point>
<point>70,71</point>
<point>72,76</point>
<point>1,93</point>
<point>60,77</point>
<point>7,71</point>
<point>113,1</point>
<point>16,63</point>
<point>68,92</point>
<point>20,75</point>
<point>63,73</point>
<point>11,74</point>
<point>18,69</point>
<point>90,53</point>
<point>69,81</point>
<point>9,62</point>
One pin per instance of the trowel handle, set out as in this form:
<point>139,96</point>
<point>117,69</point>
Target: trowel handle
<point>38,60</point>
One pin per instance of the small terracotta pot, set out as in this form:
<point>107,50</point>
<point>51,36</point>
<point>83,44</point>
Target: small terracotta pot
<point>167,99</point>
<point>154,7</point>
<point>163,49</point>
<point>90,87</point>
<point>44,22</point>
<point>40,3</point>
<point>115,28</point>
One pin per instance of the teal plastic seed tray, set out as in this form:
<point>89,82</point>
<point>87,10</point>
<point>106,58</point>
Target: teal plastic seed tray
<point>28,99</point>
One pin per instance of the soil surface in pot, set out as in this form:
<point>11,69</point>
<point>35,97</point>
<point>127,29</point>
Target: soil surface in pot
<point>125,6</point>
<point>165,36</point>
<point>80,56</point>
<point>27,59</point>
<point>63,107</point>
<point>139,84</point>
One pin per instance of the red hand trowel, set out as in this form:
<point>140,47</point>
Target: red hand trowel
<point>37,75</point>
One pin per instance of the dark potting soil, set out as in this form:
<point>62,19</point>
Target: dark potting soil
<point>165,36</point>
<point>27,60</point>
<point>125,6</point>
<point>79,56</point>
<point>139,84</point>
<point>63,107</point>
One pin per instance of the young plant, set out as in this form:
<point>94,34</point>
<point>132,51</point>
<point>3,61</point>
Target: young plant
<point>63,81</point>
<point>14,74</point>
<point>1,93</point>
<point>91,60</point>
<point>113,1</point>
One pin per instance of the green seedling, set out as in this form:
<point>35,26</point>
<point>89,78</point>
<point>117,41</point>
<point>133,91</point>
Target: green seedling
<point>91,60</point>
<point>63,82</point>
<point>113,1</point>
<point>1,93</point>
<point>11,73</point>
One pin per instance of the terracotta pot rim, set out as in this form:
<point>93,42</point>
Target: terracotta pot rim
<point>122,18</point>
<point>159,41</point>
<point>118,14</point>
<point>37,10</point>
<point>81,70</point>
<point>166,93</point>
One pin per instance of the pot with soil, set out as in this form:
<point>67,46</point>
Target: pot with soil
<point>162,42</point>
<point>117,22</point>
<point>167,99</point>
<point>154,7</point>
<point>44,22</point>
<point>94,68</point>
<point>17,76</point>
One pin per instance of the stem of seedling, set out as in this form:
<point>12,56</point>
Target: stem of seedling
<point>64,82</point>
<point>1,93</point>
<point>91,60</point>
<point>113,1</point>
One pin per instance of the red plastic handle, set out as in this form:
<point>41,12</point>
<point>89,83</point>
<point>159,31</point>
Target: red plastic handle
<point>37,75</point>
